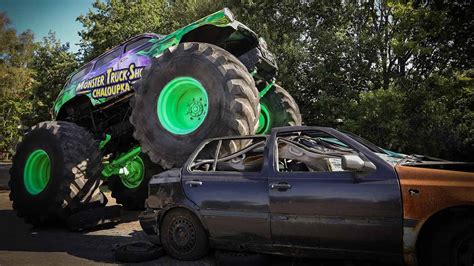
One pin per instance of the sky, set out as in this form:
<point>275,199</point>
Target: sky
<point>42,16</point>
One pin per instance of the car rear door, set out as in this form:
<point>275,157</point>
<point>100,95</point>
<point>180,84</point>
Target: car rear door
<point>232,199</point>
<point>333,212</point>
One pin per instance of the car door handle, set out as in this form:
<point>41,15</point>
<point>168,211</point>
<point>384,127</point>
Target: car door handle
<point>123,59</point>
<point>281,186</point>
<point>194,183</point>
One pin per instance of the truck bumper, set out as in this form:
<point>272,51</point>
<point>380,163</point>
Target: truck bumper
<point>149,222</point>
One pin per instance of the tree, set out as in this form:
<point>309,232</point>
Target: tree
<point>399,73</point>
<point>15,83</point>
<point>52,63</point>
<point>114,21</point>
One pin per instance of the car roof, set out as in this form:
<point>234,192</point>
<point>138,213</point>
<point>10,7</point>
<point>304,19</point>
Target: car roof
<point>276,130</point>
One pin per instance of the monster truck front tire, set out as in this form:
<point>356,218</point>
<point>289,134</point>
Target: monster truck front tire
<point>278,109</point>
<point>192,92</point>
<point>55,172</point>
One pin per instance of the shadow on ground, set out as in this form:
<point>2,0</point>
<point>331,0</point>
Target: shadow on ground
<point>22,243</point>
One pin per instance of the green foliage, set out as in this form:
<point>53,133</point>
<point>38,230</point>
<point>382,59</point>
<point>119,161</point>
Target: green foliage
<point>396,72</point>
<point>15,83</point>
<point>52,63</point>
<point>31,76</point>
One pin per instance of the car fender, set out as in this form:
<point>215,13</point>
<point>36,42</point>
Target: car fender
<point>166,194</point>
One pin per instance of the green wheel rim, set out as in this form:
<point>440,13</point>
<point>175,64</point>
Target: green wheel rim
<point>263,120</point>
<point>136,172</point>
<point>182,106</point>
<point>37,172</point>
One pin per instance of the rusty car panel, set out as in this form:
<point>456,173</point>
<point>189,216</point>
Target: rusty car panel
<point>426,191</point>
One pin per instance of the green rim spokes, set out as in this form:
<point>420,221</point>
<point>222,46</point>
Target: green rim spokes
<point>263,120</point>
<point>132,174</point>
<point>182,106</point>
<point>37,172</point>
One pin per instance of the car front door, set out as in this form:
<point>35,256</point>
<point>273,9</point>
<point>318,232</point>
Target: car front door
<point>231,192</point>
<point>322,208</point>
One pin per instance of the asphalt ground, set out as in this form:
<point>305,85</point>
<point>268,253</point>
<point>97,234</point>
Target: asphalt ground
<point>21,243</point>
<point>4,175</point>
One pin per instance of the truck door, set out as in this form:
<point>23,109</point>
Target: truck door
<point>231,192</point>
<point>319,207</point>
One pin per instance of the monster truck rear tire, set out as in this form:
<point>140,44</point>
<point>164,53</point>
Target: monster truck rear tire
<point>55,172</point>
<point>132,195</point>
<point>192,92</point>
<point>278,109</point>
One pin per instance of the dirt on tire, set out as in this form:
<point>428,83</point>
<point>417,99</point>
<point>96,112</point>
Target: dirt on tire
<point>233,104</point>
<point>75,164</point>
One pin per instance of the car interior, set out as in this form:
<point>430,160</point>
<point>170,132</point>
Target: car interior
<point>297,152</point>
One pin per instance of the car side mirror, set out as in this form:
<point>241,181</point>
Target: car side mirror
<point>353,162</point>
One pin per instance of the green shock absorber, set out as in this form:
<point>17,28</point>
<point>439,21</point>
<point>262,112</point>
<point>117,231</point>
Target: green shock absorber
<point>264,120</point>
<point>129,167</point>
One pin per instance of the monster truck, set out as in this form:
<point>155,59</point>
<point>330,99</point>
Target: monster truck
<point>143,106</point>
<point>314,191</point>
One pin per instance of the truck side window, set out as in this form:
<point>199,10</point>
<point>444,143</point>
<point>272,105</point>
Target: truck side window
<point>81,73</point>
<point>231,155</point>
<point>107,58</point>
<point>136,44</point>
<point>310,152</point>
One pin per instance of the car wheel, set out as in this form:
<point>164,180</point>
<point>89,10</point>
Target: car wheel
<point>183,235</point>
<point>451,244</point>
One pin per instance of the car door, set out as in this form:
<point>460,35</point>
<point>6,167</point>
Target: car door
<point>231,193</point>
<point>332,211</point>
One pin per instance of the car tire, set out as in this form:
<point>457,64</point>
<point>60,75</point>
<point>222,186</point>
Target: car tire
<point>234,258</point>
<point>138,252</point>
<point>183,236</point>
<point>132,196</point>
<point>192,92</point>
<point>278,109</point>
<point>451,243</point>
<point>55,172</point>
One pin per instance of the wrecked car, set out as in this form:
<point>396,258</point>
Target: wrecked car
<point>314,191</point>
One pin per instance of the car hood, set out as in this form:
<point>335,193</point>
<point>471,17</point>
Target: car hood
<point>443,165</point>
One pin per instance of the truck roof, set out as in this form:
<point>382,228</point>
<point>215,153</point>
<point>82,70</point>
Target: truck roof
<point>132,39</point>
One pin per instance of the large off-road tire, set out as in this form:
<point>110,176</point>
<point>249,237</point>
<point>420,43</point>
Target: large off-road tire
<point>278,109</point>
<point>183,236</point>
<point>55,172</point>
<point>132,192</point>
<point>192,92</point>
<point>450,243</point>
